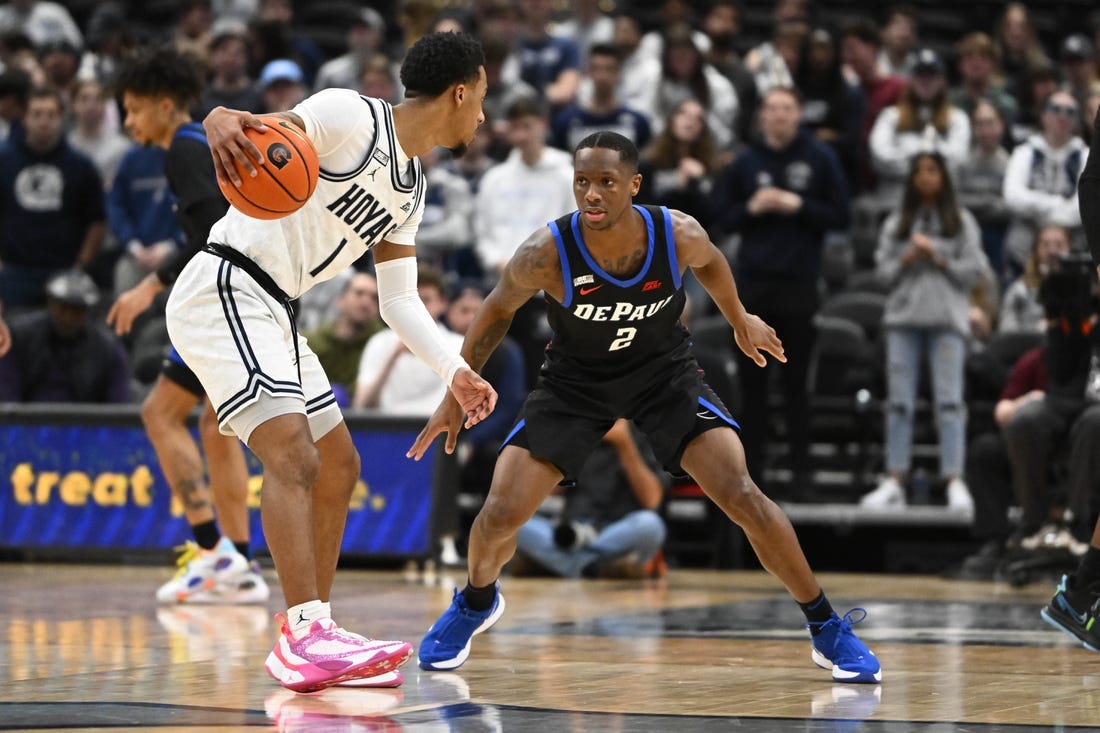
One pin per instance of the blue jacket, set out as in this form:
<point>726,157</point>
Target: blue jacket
<point>783,246</point>
<point>140,204</point>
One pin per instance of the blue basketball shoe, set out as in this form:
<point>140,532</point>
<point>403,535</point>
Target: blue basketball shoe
<point>1081,626</point>
<point>447,643</point>
<point>836,647</point>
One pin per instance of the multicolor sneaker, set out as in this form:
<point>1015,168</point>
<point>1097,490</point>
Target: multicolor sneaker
<point>447,643</point>
<point>385,680</point>
<point>201,570</point>
<point>328,655</point>
<point>836,647</point>
<point>1080,626</point>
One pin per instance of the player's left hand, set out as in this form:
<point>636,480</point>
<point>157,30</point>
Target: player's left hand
<point>132,304</point>
<point>446,418</point>
<point>753,337</point>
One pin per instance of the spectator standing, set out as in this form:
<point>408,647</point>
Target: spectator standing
<point>609,526</point>
<point>930,255</point>
<point>981,182</point>
<point>782,195</point>
<point>922,120</point>
<point>60,355</point>
<point>92,134</point>
<point>51,204</point>
<point>141,216</point>
<point>1041,179</point>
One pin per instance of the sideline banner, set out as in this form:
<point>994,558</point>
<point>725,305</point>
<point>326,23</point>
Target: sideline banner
<point>88,478</point>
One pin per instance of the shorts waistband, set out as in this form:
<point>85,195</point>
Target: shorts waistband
<point>254,271</point>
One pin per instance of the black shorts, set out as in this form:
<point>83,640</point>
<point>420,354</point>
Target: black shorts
<point>174,369</point>
<point>563,422</point>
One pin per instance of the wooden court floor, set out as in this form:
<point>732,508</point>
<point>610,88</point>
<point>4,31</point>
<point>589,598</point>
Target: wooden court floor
<point>85,647</point>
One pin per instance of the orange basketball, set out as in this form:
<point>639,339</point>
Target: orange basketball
<point>286,179</point>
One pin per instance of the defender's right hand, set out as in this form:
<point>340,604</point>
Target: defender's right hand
<point>448,417</point>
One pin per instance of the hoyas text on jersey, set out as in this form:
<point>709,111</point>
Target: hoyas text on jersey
<point>362,211</point>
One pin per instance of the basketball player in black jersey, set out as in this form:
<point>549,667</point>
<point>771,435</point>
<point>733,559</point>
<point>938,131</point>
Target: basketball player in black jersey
<point>611,274</point>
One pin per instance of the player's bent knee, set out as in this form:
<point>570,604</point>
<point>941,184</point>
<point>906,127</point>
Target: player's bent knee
<point>296,463</point>
<point>501,517</point>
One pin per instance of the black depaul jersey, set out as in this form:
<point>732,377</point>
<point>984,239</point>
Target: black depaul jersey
<point>607,326</point>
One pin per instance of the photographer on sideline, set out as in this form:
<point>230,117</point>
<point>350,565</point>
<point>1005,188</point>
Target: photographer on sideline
<point>609,527</point>
<point>1069,408</point>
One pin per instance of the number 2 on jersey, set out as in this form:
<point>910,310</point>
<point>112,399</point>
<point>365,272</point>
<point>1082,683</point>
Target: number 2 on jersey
<point>625,337</point>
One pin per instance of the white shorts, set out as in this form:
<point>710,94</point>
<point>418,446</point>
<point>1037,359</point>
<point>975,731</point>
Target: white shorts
<point>237,339</point>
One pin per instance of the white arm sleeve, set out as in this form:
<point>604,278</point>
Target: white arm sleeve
<point>401,307</point>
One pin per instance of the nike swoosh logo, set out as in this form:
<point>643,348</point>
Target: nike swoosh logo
<point>706,415</point>
<point>586,291</point>
<point>1080,618</point>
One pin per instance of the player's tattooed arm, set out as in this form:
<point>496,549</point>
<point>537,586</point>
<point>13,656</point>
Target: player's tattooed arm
<point>695,250</point>
<point>535,266</point>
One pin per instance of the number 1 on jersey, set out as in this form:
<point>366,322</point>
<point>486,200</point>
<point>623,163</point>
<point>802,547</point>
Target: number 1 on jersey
<point>625,337</point>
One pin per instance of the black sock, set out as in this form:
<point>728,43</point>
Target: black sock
<point>1086,581</point>
<point>244,549</point>
<point>479,599</point>
<point>817,611</point>
<point>206,534</point>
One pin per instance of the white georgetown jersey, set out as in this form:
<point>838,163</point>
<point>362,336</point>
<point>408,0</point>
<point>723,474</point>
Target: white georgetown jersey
<point>368,190</point>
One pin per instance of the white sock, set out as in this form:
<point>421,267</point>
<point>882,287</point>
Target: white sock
<point>326,610</point>
<point>302,616</point>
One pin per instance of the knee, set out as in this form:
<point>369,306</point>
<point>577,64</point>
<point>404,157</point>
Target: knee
<point>738,493</point>
<point>296,463</point>
<point>651,525</point>
<point>158,415</point>
<point>499,516</point>
<point>208,423</point>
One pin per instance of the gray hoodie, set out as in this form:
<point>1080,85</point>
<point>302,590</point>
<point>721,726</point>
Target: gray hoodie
<point>923,295</point>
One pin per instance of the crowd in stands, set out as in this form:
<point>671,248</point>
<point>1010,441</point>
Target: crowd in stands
<point>827,150</point>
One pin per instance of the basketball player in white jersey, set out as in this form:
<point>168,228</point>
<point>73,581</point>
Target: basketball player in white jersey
<point>230,319</point>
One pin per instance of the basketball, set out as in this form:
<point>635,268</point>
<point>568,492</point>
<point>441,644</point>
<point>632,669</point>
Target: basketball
<point>287,178</point>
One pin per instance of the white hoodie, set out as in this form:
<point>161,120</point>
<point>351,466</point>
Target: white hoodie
<point>1038,186</point>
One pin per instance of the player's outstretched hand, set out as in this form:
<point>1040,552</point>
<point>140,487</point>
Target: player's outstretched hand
<point>448,417</point>
<point>131,304</point>
<point>225,134</point>
<point>755,337</point>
